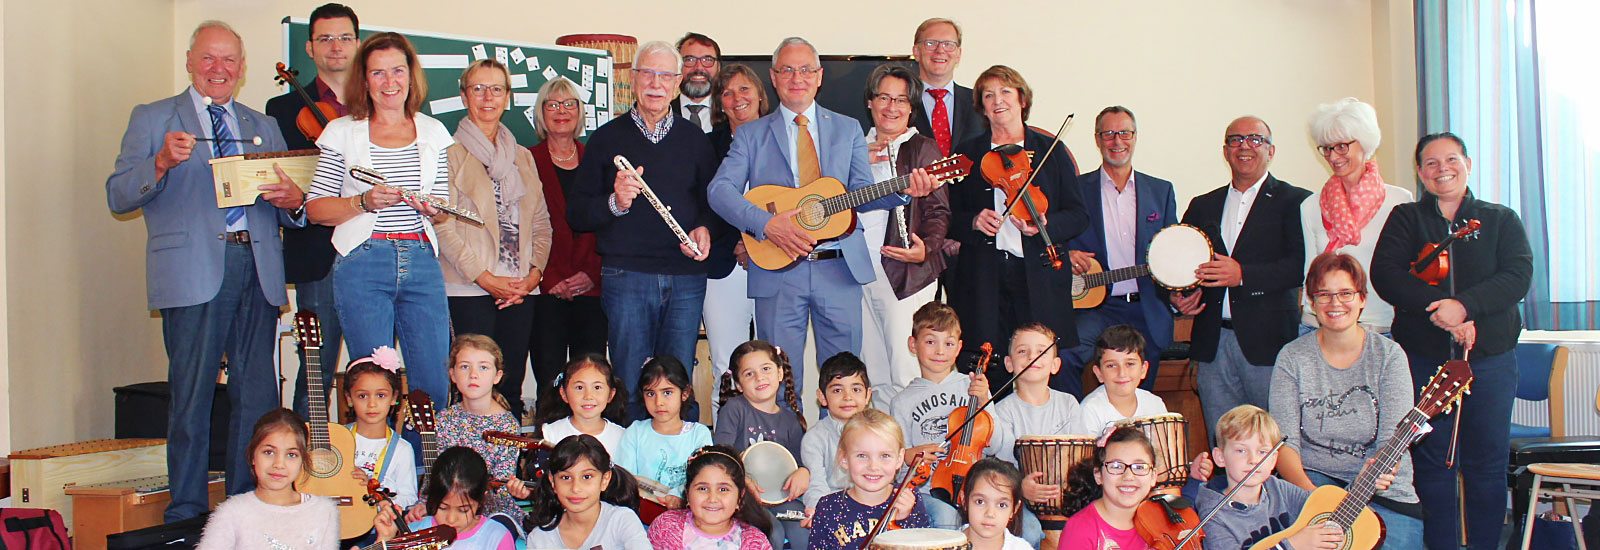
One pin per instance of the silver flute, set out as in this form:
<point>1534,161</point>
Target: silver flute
<point>665,211</point>
<point>372,177</point>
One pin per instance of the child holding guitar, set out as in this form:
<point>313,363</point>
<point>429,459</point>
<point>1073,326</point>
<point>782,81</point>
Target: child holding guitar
<point>457,495</point>
<point>475,367</point>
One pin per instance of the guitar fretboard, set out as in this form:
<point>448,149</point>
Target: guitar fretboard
<point>316,398</point>
<point>1104,278</point>
<point>834,205</point>
<point>1361,490</point>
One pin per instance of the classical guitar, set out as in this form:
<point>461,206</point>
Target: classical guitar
<point>332,446</point>
<point>1089,289</point>
<point>1348,507</point>
<point>419,415</point>
<point>432,538</point>
<point>827,210</point>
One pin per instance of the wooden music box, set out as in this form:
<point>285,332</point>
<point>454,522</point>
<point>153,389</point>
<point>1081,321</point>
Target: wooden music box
<point>239,177</point>
<point>100,509</point>
<point>39,476</point>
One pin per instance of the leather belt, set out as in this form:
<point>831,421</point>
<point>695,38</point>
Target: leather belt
<point>825,254</point>
<point>401,236</point>
<point>236,237</point>
<point>1129,297</point>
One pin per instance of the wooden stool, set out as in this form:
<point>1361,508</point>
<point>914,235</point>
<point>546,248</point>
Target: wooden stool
<point>1577,481</point>
<point>101,509</point>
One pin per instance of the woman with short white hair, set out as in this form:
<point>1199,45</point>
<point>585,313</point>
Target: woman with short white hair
<point>1350,210</point>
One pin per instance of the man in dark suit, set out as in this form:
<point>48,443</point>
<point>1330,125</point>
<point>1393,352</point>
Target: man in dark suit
<point>701,63</point>
<point>1248,308</point>
<point>216,274</point>
<point>937,49</point>
<point>308,252</point>
<point>1126,208</point>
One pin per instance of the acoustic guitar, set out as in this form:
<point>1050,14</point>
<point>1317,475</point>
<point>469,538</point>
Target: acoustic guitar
<point>332,446</point>
<point>419,414</point>
<point>827,211</point>
<point>1348,507</point>
<point>1089,289</point>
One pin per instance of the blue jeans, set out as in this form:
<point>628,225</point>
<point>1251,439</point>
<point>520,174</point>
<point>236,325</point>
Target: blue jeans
<point>385,289</point>
<point>1400,531</point>
<point>941,515</point>
<point>317,297</point>
<point>240,322</point>
<point>1230,380</point>
<point>1090,323</point>
<point>648,315</point>
<point>799,537</point>
<point>822,295</point>
<point>1032,530</point>
<point>1481,455</point>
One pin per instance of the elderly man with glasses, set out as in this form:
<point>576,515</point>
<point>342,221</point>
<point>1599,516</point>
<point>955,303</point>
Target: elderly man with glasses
<point>652,287</point>
<point>1247,306</point>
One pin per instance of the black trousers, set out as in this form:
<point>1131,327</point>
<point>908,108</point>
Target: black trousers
<point>509,328</point>
<point>563,329</point>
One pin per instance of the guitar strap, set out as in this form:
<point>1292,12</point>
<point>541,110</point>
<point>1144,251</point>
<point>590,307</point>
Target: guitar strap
<point>382,467</point>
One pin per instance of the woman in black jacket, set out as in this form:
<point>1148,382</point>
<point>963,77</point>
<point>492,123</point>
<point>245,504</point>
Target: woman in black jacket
<point>1474,309</point>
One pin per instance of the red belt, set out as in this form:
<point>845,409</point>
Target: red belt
<point>401,236</point>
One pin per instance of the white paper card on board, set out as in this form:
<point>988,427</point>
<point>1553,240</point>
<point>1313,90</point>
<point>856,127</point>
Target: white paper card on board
<point>478,52</point>
<point>602,67</point>
<point>584,94</point>
<point>446,105</point>
<point>529,114</point>
<point>443,61</point>
<point>519,81</point>
<point>601,98</point>
<point>588,76</point>
<point>572,64</point>
<point>549,73</point>
<point>524,99</point>
<point>602,117</point>
<point>517,56</point>
<point>589,117</point>
<point>533,64</point>
<point>502,55</point>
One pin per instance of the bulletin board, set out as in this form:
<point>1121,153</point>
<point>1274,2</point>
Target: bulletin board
<point>444,56</point>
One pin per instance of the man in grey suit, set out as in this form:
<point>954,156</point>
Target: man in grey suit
<point>797,143</point>
<point>215,274</point>
<point>1126,209</point>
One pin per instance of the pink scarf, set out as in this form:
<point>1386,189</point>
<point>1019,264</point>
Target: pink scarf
<point>1345,212</point>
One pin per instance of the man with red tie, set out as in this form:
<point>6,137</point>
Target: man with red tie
<point>945,111</point>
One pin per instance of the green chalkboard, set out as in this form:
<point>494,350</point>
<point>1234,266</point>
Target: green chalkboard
<point>444,56</point>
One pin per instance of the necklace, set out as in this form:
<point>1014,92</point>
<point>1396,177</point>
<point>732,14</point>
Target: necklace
<point>560,159</point>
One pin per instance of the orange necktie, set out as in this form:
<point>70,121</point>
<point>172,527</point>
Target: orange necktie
<point>806,153</point>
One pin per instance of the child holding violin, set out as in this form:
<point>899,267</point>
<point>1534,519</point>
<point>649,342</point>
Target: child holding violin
<point>1033,409</point>
<point>1004,275</point>
<point>923,408</point>
<point>1106,489</point>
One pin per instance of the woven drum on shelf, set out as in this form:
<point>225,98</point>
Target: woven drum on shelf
<point>621,47</point>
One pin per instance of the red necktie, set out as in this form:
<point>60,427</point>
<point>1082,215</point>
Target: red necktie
<point>941,120</point>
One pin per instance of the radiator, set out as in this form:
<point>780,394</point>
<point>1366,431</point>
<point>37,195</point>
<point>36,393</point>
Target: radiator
<point>1578,391</point>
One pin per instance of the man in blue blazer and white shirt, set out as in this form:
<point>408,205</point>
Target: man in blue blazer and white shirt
<point>1126,208</point>
<point>215,274</point>
<point>825,287</point>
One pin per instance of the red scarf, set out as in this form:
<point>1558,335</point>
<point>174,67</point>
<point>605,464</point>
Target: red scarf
<point>1345,212</point>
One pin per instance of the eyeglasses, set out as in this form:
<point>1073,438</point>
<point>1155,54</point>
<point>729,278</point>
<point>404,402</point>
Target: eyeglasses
<point>703,61</point>
<point>554,105</point>
<point>647,74</point>
<point>1256,140</point>
<point>946,45</point>
<point>793,72</point>
<point>1117,467</point>
<point>896,100</point>
<point>493,90</point>
<point>1109,135</point>
<point>328,39</point>
<point>1325,298</point>
<point>1340,148</point>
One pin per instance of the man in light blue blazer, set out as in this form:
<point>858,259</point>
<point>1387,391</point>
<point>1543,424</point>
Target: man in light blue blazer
<point>1126,208</point>
<point>823,289</point>
<point>215,274</point>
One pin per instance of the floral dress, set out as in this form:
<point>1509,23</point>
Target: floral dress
<point>459,428</point>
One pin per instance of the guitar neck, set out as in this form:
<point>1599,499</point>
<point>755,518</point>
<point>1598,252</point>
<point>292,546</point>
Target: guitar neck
<point>1104,278</point>
<point>430,449</point>
<point>847,201</point>
<point>317,399</point>
<point>1361,490</point>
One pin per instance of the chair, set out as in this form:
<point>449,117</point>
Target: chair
<point>1541,373</point>
<point>1568,482</point>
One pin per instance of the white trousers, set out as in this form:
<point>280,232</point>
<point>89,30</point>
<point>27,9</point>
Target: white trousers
<point>727,316</point>
<point>885,329</point>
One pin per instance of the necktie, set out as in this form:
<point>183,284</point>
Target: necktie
<point>695,117</point>
<point>805,153</point>
<point>941,120</point>
<point>223,146</point>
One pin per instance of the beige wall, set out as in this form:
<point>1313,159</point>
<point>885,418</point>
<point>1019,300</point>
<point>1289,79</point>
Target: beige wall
<point>76,298</point>
<point>5,373</point>
<point>75,274</point>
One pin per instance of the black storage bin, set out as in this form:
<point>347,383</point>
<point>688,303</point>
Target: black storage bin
<point>141,411</point>
<point>178,535</point>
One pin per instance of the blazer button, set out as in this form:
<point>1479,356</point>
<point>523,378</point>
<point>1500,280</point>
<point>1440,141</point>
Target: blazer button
<point>145,189</point>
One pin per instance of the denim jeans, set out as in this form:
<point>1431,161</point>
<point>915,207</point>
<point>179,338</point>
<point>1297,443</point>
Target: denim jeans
<point>799,537</point>
<point>1090,323</point>
<point>1481,455</point>
<point>941,515</point>
<point>240,322</point>
<point>386,289</point>
<point>649,315</point>
<point>317,297</point>
<point>1032,529</point>
<point>1400,531</point>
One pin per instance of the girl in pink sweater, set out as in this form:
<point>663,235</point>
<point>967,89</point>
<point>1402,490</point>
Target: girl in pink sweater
<point>275,516</point>
<point>721,513</point>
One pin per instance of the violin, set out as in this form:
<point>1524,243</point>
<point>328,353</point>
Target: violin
<point>1008,168</point>
<point>966,442</point>
<point>378,496</point>
<point>315,115</point>
<point>1433,263</point>
<point>1165,522</point>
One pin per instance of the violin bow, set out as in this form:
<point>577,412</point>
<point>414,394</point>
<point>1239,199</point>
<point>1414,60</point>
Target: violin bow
<point>888,510</point>
<point>1227,497</point>
<point>1014,376</point>
<point>1035,172</point>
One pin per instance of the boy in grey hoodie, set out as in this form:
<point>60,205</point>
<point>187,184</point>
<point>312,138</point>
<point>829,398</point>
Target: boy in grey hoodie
<point>923,408</point>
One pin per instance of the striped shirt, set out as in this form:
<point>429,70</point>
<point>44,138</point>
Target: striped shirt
<point>402,167</point>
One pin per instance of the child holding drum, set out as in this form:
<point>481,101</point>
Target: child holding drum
<point>869,448</point>
<point>1037,411</point>
<point>844,391</point>
<point>751,415</point>
<point>1120,364</point>
<point>923,408</point>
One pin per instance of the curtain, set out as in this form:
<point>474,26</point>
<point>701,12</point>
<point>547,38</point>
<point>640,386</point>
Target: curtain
<point>1515,79</point>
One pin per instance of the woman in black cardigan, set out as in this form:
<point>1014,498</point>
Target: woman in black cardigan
<point>1474,309</point>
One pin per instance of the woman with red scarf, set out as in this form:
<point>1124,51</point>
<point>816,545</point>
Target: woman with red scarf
<point>1347,215</point>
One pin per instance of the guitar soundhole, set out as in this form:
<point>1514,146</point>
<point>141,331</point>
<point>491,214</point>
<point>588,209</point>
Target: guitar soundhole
<point>1323,519</point>
<point>1077,287</point>
<point>325,462</point>
<point>810,217</point>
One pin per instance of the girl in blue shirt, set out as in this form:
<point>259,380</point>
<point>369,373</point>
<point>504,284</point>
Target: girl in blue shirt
<point>657,449</point>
